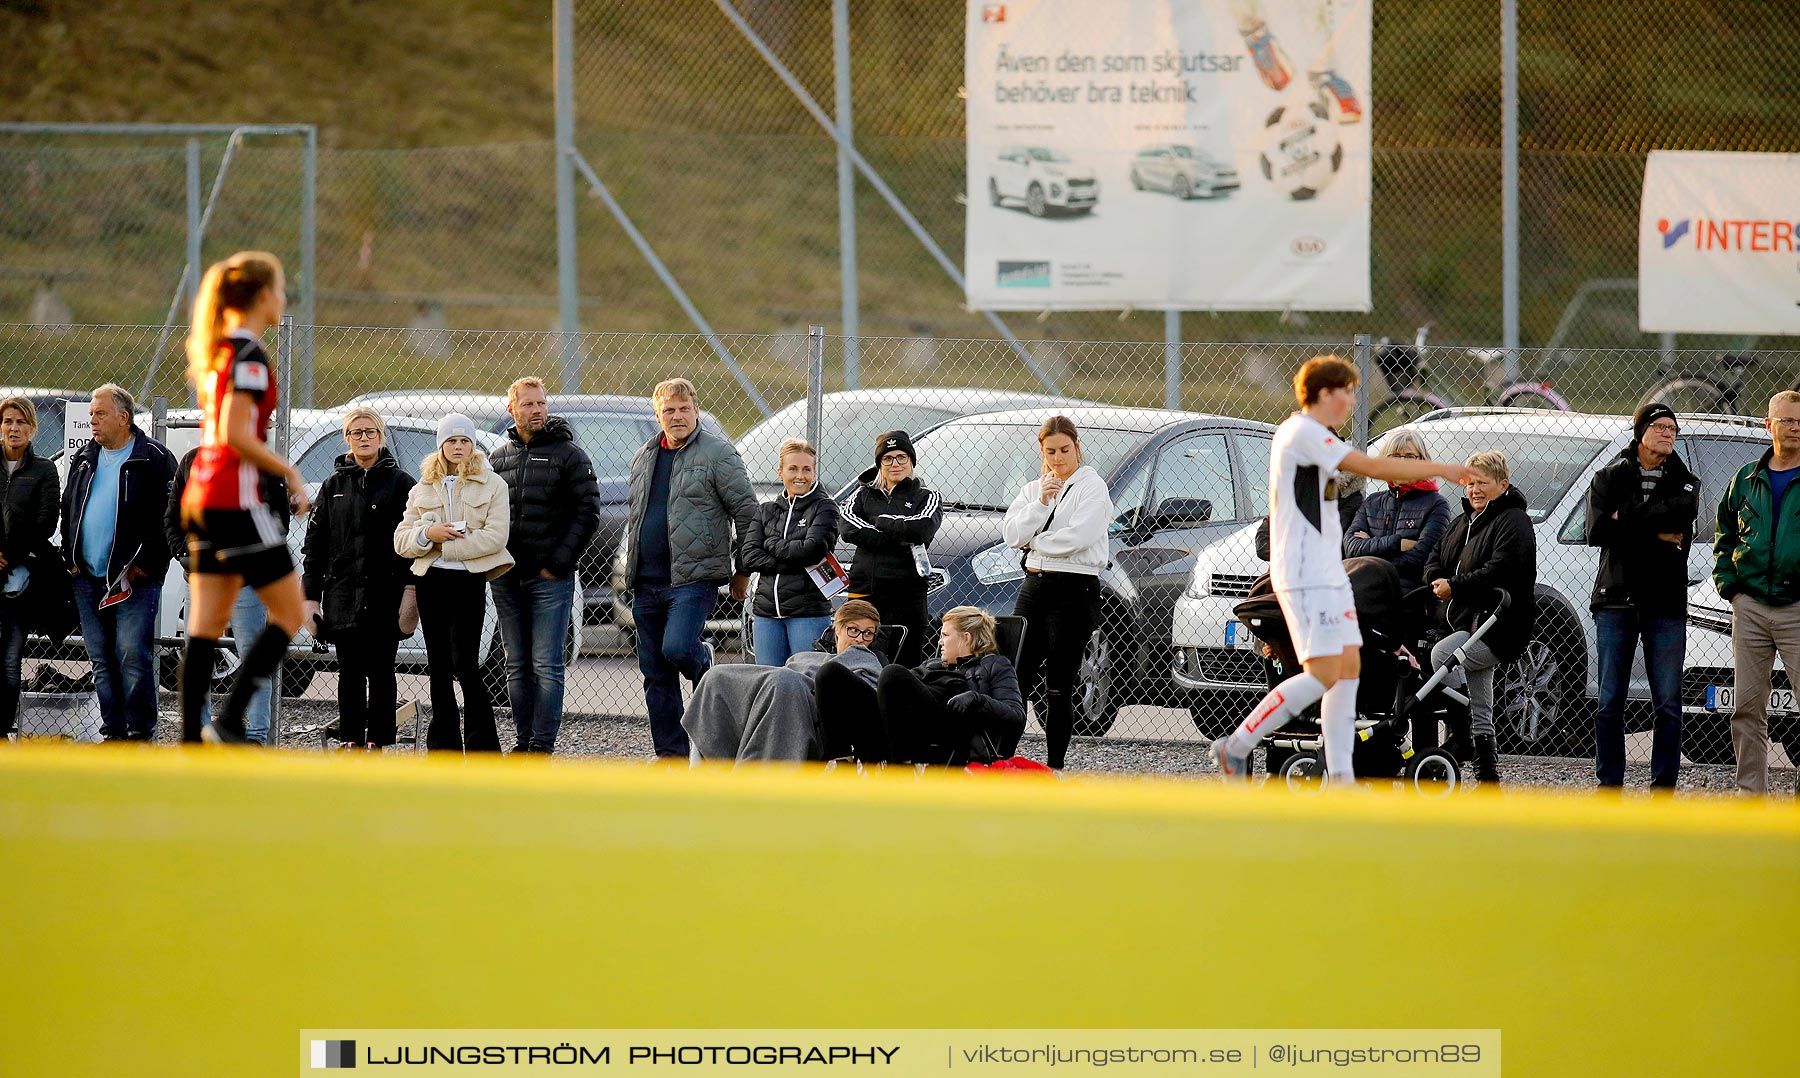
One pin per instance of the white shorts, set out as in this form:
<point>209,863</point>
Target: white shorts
<point>1321,621</point>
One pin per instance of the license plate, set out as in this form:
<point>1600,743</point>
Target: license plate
<point>1722,698</point>
<point>1236,636</point>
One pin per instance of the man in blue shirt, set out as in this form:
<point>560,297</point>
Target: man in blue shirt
<point>115,547</point>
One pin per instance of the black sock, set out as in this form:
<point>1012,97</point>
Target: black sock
<point>194,680</point>
<point>265,655</point>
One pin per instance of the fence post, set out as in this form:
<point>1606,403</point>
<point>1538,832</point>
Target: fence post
<point>284,426</point>
<point>1359,422</point>
<point>815,382</point>
<point>1172,359</point>
<point>1509,184</point>
<point>159,418</point>
<point>846,178</point>
<point>191,279</point>
<point>567,298</point>
<point>309,194</point>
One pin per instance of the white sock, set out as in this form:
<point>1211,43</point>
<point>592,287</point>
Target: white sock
<point>1338,722</point>
<point>1284,701</point>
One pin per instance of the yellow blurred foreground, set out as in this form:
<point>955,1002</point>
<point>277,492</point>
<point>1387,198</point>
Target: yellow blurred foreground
<point>189,912</point>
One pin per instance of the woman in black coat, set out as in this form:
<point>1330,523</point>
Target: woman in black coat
<point>354,581</point>
<point>963,706</point>
<point>1490,546</point>
<point>785,538</point>
<point>29,497</point>
<point>891,519</point>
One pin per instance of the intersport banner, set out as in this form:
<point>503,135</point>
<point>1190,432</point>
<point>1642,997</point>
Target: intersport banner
<point>1187,154</point>
<point>1716,243</point>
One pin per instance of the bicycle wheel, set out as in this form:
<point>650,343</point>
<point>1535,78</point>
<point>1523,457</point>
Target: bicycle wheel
<point>1401,409</point>
<point>1533,395</point>
<point>1690,395</point>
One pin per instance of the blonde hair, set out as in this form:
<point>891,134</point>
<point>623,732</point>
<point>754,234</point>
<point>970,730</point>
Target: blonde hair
<point>855,610</point>
<point>369,414</point>
<point>795,445</point>
<point>1491,462</point>
<point>679,389</point>
<point>434,467</point>
<point>530,381</point>
<point>1405,439</point>
<point>978,624</point>
<point>24,407</point>
<point>230,285</point>
<point>1786,396</point>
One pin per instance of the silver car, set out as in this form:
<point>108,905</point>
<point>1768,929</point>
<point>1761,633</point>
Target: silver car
<point>1184,170</point>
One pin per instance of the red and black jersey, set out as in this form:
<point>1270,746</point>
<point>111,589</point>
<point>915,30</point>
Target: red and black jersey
<point>220,479</point>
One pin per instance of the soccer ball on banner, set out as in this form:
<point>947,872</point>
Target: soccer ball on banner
<point>1300,150</point>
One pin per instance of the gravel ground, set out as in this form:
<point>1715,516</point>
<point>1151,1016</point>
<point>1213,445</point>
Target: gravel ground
<point>629,739</point>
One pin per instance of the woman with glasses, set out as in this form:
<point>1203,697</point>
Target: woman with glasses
<point>891,519</point>
<point>1404,523</point>
<point>355,583</point>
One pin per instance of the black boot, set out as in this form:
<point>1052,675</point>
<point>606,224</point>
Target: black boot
<point>1487,759</point>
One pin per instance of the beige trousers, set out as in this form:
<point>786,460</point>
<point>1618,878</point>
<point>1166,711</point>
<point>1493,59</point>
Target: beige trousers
<point>1758,632</point>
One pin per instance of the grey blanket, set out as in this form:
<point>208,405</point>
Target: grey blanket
<point>743,712</point>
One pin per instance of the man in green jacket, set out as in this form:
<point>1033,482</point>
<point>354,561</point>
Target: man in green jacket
<point>1757,569</point>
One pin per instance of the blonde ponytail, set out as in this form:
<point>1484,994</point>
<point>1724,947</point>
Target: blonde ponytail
<point>230,285</point>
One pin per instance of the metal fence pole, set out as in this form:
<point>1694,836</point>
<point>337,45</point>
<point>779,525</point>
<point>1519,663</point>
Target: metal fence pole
<point>815,382</point>
<point>190,284</point>
<point>1509,183</point>
<point>284,429</point>
<point>309,187</point>
<point>846,181</point>
<point>1359,421</point>
<point>568,300</point>
<point>1171,359</point>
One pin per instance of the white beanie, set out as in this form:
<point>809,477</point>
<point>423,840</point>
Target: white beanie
<point>455,425</point>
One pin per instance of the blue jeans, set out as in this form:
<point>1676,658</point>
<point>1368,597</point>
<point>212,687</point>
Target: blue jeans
<point>248,618</point>
<point>670,620</point>
<point>534,622</point>
<point>1617,634</point>
<point>121,646</point>
<point>779,639</point>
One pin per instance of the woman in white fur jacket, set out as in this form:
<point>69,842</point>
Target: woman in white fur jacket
<point>1060,521</point>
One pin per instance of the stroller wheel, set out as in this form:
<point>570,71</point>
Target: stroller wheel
<point>1433,773</point>
<point>1304,772</point>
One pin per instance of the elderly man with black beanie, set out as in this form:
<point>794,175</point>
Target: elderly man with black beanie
<point>891,519</point>
<point>1640,513</point>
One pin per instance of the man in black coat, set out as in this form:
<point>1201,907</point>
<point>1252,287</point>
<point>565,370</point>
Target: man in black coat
<point>555,512</point>
<point>355,581</point>
<point>1640,513</point>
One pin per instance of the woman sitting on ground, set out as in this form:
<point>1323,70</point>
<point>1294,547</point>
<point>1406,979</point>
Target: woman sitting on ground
<point>964,705</point>
<point>743,712</point>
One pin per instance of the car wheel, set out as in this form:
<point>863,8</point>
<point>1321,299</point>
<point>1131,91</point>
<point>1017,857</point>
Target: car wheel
<point>1034,201</point>
<point>1537,696</point>
<point>994,198</point>
<point>1183,189</point>
<point>1096,688</point>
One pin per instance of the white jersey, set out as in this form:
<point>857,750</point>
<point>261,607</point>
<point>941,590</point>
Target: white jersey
<point>1306,538</point>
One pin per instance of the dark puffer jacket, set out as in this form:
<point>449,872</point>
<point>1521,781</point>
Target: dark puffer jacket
<point>1497,549</point>
<point>997,720</point>
<point>1392,515</point>
<point>883,526</point>
<point>710,498</point>
<point>349,565</point>
<point>785,538</point>
<point>1636,568</point>
<point>555,498</point>
<point>28,501</point>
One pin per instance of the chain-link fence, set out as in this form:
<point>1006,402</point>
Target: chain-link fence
<point>1172,658</point>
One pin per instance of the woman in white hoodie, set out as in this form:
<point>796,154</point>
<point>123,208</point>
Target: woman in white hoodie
<point>1060,521</point>
<point>455,531</point>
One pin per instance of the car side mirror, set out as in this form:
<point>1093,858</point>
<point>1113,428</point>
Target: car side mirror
<point>1181,513</point>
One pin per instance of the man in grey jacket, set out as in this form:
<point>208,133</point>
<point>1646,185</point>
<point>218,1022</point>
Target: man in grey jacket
<point>689,493</point>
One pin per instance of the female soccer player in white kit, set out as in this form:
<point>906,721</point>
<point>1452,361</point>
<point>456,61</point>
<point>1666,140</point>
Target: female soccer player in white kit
<point>1305,554</point>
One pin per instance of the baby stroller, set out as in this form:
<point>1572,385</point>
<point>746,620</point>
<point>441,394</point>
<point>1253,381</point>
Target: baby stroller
<point>1393,688</point>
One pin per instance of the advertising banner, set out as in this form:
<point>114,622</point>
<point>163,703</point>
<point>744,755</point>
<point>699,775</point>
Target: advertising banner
<point>1186,154</point>
<point>1716,243</point>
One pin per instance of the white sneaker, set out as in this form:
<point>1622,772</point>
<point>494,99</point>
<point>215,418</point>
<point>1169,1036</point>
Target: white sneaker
<point>1235,768</point>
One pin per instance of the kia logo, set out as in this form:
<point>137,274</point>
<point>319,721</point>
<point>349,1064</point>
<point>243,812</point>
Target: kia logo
<point>1307,246</point>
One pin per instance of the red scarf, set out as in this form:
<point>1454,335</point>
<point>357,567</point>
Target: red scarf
<point>1423,484</point>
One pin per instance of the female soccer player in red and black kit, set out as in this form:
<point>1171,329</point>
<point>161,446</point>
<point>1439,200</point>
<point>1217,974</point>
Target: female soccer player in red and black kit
<point>233,538</point>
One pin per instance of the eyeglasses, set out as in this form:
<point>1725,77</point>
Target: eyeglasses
<point>1406,456</point>
<point>865,635</point>
<point>362,432</point>
<point>1784,422</point>
<point>893,460</point>
<point>1665,428</point>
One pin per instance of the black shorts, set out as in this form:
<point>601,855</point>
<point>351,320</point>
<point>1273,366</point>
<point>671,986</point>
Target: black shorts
<point>239,542</point>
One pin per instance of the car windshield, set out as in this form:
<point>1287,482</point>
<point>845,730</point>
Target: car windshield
<point>611,440</point>
<point>1543,467</point>
<point>985,464</point>
<point>847,431</point>
<point>1038,153</point>
<point>1181,151</point>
